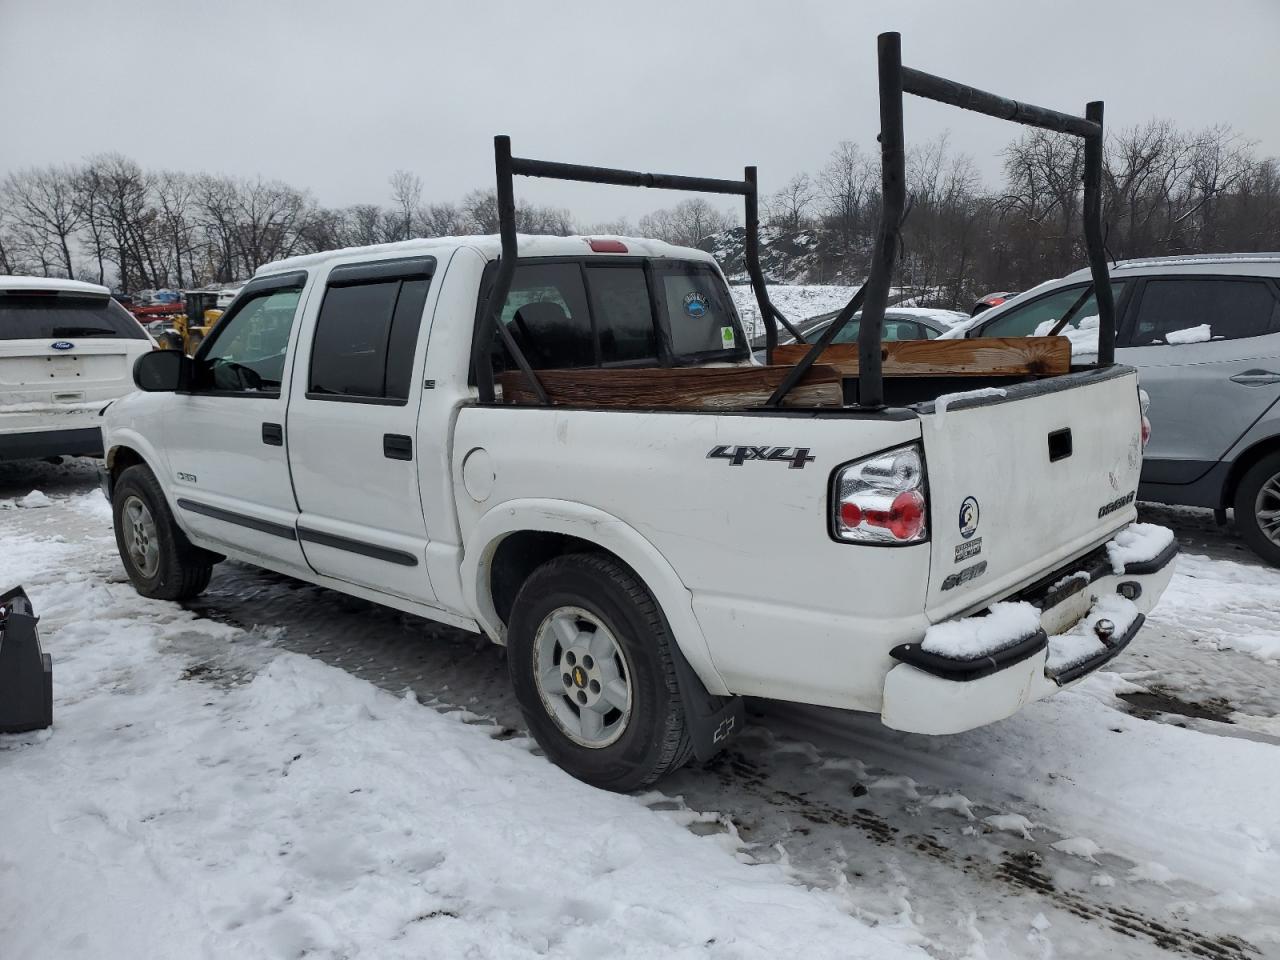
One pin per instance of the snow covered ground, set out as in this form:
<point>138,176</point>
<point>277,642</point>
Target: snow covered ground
<point>277,770</point>
<point>796,301</point>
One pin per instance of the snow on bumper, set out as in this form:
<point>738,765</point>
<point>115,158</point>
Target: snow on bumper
<point>964,674</point>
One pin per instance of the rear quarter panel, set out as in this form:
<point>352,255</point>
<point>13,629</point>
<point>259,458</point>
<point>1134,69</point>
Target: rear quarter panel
<point>785,610</point>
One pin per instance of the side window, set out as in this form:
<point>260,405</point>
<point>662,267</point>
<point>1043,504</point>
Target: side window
<point>546,313</point>
<point>245,352</point>
<point>366,334</point>
<point>623,314</point>
<point>903,330</point>
<point>1193,311</point>
<point>1039,316</point>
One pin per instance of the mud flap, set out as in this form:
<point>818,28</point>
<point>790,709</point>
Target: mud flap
<point>26,673</point>
<point>712,720</point>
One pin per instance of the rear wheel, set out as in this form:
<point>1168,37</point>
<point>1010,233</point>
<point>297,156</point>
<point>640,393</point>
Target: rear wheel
<point>590,659</point>
<point>1257,507</point>
<point>161,562</point>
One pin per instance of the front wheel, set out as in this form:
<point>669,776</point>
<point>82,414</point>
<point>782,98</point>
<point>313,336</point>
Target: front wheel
<point>1257,507</point>
<point>159,559</point>
<point>589,654</point>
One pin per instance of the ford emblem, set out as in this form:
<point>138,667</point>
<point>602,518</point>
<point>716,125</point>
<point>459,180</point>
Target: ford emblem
<point>62,345</point>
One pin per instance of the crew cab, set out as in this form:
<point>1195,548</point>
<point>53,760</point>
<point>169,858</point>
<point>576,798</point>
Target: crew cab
<point>663,560</point>
<point>66,350</point>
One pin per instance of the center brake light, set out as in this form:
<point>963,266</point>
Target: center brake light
<point>882,499</point>
<point>606,246</point>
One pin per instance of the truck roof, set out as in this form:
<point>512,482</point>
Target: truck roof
<point>16,284</point>
<point>489,246</point>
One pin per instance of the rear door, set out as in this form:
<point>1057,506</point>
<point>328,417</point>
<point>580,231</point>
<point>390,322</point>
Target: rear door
<point>225,437</point>
<point>1208,352</point>
<point>351,427</point>
<point>62,356</point>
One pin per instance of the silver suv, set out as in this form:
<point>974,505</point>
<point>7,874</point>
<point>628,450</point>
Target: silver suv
<point>1204,333</point>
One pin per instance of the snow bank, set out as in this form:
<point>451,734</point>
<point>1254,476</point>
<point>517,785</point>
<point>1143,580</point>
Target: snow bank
<point>974,637</point>
<point>796,301</point>
<point>1224,604</point>
<point>1200,334</point>
<point>1137,543</point>
<point>306,812</point>
<point>36,498</point>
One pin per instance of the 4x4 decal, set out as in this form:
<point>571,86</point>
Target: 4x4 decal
<point>797,457</point>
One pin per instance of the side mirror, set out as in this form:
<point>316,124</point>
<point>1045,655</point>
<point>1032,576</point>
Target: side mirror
<point>162,371</point>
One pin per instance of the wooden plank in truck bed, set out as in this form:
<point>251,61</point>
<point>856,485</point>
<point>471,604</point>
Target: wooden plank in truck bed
<point>982,356</point>
<point>688,388</point>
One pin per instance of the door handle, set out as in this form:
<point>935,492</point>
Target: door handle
<point>1256,378</point>
<point>273,434</point>
<point>396,446</point>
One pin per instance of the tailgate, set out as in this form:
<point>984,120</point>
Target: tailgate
<point>1022,481</point>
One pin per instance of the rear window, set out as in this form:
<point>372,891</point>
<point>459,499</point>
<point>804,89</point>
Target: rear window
<point>44,317</point>
<point>601,313</point>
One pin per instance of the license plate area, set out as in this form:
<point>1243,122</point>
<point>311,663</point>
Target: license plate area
<point>1068,611</point>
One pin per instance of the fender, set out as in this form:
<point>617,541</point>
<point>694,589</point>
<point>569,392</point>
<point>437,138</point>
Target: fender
<point>604,530</point>
<point>125,437</point>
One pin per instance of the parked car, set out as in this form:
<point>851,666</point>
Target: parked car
<point>1204,333</point>
<point>644,569</point>
<point>900,323</point>
<point>66,349</point>
<point>983,304</point>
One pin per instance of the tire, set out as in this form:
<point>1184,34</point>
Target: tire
<point>1259,492</point>
<point>590,591</point>
<point>170,568</point>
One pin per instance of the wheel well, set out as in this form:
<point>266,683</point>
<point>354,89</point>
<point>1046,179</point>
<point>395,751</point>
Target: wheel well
<point>519,554</point>
<point>1241,465</point>
<point>121,459</point>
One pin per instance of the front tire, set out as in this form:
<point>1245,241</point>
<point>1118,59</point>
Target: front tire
<point>1257,507</point>
<point>159,559</point>
<point>589,654</point>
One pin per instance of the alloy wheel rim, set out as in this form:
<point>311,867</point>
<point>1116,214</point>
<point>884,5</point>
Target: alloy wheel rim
<point>1266,509</point>
<point>582,677</point>
<point>140,538</point>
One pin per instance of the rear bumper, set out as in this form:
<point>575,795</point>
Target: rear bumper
<point>927,693</point>
<point>34,444</point>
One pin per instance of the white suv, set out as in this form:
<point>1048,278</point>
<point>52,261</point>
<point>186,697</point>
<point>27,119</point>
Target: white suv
<point>66,350</point>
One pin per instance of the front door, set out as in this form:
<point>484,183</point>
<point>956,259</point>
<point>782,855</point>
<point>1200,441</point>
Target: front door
<point>1208,353</point>
<point>226,436</point>
<point>352,423</point>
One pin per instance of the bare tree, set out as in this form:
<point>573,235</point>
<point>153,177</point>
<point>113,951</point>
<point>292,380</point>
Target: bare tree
<point>406,193</point>
<point>789,207</point>
<point>44,214</point>
<point>687,224</point>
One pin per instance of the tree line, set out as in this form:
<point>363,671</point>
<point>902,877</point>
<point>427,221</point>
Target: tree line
<point>1165,191</point>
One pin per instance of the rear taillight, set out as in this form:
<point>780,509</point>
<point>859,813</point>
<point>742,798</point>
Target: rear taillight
<point>882,499</point>
<point>1144,404</point>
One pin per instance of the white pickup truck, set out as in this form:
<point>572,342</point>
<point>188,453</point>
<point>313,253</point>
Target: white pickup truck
<point>645,566</point>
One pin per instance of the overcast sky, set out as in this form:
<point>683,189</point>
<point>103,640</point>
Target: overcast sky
<point>334,95</point>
